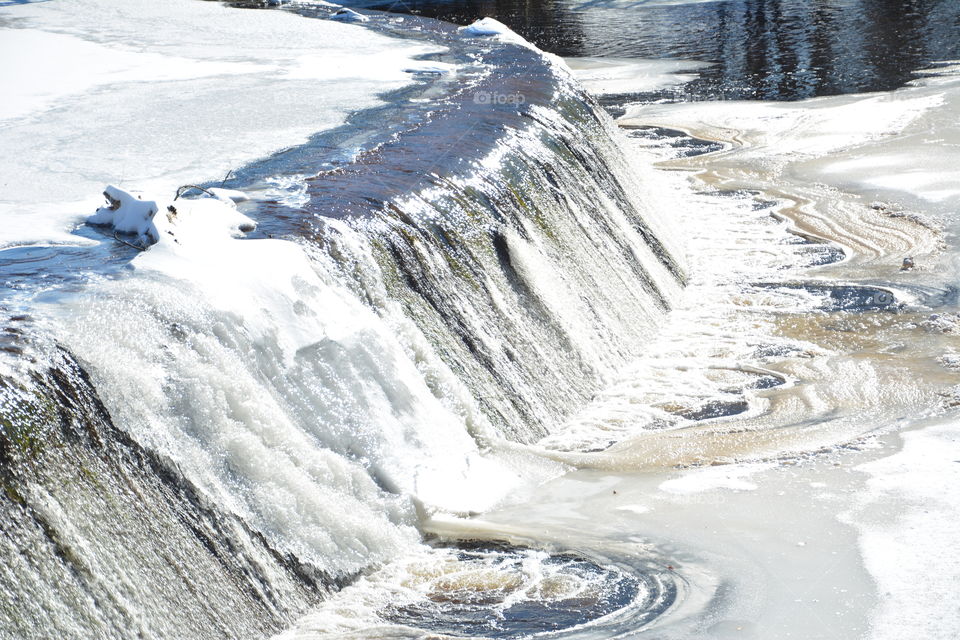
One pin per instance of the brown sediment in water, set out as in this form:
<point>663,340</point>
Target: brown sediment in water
<point>872,239</point>
<point>867,368</point>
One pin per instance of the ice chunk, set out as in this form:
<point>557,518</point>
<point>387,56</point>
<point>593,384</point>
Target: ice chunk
<point>602,76</point>
<point>486,27</point>
<point>349,15</point>
<point>128,214</point>
<point>437,68</point>
<point>229,195</point>
<point>194,221</point>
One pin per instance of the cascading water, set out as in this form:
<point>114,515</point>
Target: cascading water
<point>206,444</point>
<point>429,361</point>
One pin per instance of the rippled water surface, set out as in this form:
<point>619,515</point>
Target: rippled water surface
<point>768,49</point>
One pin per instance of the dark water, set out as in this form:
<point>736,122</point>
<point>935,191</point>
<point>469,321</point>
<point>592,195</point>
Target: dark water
<point>497,612</point>
<point>766,49</point>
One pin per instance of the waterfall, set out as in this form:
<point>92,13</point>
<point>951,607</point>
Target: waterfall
<point>205,444</point>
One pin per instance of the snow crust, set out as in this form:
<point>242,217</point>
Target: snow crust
<point>488,27</point>
<point>199,221</point>
<point>900,144</point>
<point>908,533</point>
<point>150,96</point>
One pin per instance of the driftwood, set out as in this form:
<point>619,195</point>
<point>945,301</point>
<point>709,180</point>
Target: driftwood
<point>129,244</point>
<point>187,187</point>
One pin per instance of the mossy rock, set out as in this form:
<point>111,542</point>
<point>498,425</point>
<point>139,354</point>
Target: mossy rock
<point>27,418</point>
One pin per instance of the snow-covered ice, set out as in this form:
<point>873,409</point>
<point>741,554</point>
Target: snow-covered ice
<point>185,103</point>
<point>182,220</point>
<point>349,15</point>
<point>490,28</point>
<point>486,27</point>
<point>712,478</point>
<point>908,534</point>
<point>602,76</point>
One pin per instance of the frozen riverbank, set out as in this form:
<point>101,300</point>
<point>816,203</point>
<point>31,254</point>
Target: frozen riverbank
<point>151,97</point>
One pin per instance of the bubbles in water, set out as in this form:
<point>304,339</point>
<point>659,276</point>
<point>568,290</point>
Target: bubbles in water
<point>509,592</point>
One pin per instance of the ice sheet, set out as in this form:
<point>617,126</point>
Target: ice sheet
<point>712,478</point>
<point>603,76</point>
<point>637,4</point>
<point>150,96</point>
<point>904,144</point>
<point>908,534</point>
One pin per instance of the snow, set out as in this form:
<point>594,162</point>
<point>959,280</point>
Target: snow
<point>711,478</point>
<point>127,214</point>
<point>185,103</point>
<point>349,15</point>
<point>198,221</point>
<point>911,506</point>
<point>604,76</point>
<point>488,27</point>
<point>231,195</point>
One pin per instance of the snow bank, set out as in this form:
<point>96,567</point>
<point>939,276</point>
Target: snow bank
<point>196,83</point>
